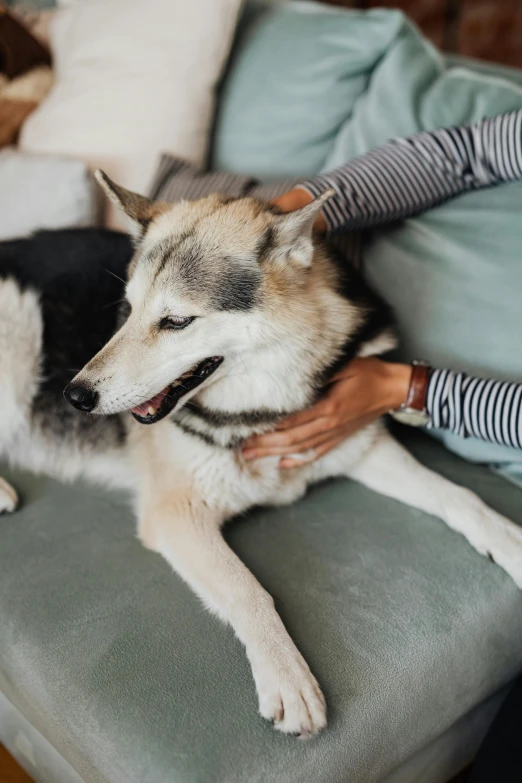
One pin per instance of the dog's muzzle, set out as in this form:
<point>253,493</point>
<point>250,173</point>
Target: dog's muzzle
<point>84,398</point>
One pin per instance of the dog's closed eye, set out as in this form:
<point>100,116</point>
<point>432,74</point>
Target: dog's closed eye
<point>176,321</point>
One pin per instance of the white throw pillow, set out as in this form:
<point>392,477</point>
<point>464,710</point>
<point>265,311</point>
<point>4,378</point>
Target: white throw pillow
<point>43,192</point>
<point>134,78</point>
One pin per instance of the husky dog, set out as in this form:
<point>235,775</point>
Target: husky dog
<point>234,317</point>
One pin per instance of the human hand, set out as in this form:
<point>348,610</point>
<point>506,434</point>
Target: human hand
<point>295,199</point>
<point>361,393</point>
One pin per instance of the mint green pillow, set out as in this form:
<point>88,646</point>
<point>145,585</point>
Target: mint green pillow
<point>295,74</point>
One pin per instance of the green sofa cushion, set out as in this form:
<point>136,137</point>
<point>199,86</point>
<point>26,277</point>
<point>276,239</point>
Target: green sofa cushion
<point>112,658</point>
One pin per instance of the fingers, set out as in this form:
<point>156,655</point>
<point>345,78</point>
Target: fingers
<point>295,199</point>
<point>315,447</point>
<point>286,463</point>
<point>298,460</point>
<point>303,417</point>
<point>296,439</point>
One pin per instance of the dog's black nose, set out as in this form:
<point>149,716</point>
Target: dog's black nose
<point>81,397</point>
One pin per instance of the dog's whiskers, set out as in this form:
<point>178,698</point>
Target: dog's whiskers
<point>111,304</point>
<point>116,276</point>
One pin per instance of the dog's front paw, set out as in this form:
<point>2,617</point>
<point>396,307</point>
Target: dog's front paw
<point>490,533</point>
<point>8,497</point>
<point>506,548</point>
<point>289,695</point>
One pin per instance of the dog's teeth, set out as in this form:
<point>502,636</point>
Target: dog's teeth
<point>151,411</point>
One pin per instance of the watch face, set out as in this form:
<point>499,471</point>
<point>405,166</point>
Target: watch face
<point>411,417</point>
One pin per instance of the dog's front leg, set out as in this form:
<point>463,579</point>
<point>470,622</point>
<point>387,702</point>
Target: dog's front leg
<point>8,497</point>
<point>391,470</point>
<point>188,535</point>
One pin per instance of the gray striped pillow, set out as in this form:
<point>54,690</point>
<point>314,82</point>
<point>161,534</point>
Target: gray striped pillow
<point>176,179</point>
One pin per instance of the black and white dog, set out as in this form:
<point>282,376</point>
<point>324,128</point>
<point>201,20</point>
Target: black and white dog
<point>232,316</point>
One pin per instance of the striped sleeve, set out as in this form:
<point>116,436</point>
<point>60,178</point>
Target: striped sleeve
<point>476,407</point>
<point>407,176</point>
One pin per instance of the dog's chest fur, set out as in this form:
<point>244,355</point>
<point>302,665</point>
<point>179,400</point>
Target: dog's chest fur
<point>222,478</point>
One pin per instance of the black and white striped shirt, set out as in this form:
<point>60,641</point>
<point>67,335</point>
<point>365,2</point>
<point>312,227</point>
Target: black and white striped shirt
<point>406,177</point>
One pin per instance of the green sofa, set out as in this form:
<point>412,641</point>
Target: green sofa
<point>112,672</point>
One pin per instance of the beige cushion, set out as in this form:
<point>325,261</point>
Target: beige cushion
<point>134,78</point>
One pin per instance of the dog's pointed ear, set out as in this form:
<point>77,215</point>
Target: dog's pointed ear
<point>294,229</point>
<point>138,208</point>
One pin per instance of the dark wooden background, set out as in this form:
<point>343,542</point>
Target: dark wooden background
<point>485,29</point>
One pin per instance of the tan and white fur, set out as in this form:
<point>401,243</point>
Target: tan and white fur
<point>291,321</point>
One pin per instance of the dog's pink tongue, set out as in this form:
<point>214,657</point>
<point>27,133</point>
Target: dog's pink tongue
<point>153,404</point>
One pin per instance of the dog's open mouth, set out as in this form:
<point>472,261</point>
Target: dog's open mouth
<point>162,404</point>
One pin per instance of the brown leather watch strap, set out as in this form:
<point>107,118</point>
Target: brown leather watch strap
<point>420,376</point>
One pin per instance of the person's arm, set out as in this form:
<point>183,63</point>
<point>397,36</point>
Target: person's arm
<point>408,176</point>
<point>476,407</point>
<point>369,388</point>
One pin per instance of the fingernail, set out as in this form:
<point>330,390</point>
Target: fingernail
<point>303,456</point>
<point>249,454</point>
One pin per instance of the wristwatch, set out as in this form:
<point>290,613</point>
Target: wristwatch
<point>413,411</point>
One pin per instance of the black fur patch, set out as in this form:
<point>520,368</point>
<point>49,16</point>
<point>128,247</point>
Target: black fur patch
<point>205,437</point>
<point>215,418</point>
<point>265,244</point>
<point>54,416</point>
<point>377,315</point>
<point>228,283</point>
<point>236,288</point>
<point>78,274</point>
<point>124,312</point>
<point>168,249</point>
